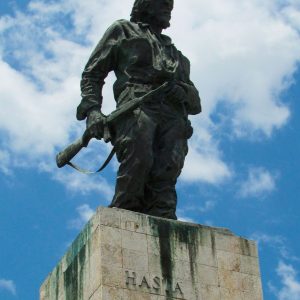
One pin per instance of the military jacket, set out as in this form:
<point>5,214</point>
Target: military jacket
<point>141,60</point>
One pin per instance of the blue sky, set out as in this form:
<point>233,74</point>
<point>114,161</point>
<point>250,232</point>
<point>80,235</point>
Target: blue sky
<point>242,170</point>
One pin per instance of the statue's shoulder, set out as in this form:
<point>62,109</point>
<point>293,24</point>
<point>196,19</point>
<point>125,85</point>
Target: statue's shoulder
<point>184,62</point>
<point>125,24</point>
<point>184,58</point>
<point>119,29</point>
<point>168,41</point>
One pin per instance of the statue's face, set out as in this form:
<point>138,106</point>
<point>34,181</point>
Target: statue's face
<point>161,12</point>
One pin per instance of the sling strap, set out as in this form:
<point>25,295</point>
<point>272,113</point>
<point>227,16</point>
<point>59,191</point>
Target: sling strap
<point>83,171</point>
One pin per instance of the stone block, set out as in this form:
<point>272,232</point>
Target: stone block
<point>112,276</point>
<point>108,292</point>
<point>234,244</point>
<point>154,263</point>
<point>229,261</point>
<point>132,221</point>
<point>111,236</point>
<point>206,256</point>
<point>207,275</point>
<point>134,241</point>
<point>250,295</point>
<point>231,294</point>
<point>210,292</point>
<point>109,217</point>
<point>230,279</point>
<point>135,260</point>
<point>122,255</point>
<point>134,295</point>
<point>111,255</point>
<point>250,265</point>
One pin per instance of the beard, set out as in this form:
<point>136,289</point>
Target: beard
<point>164,24</point>
<point>161,21</point>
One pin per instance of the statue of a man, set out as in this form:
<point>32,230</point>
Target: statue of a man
<point>150,143</point>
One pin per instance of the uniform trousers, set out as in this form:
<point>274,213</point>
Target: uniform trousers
<point>151,145</point>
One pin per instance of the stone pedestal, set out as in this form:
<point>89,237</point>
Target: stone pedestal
<point>122,255</point>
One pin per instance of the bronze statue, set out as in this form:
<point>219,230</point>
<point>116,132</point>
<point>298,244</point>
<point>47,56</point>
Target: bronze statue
<point>150,139</point>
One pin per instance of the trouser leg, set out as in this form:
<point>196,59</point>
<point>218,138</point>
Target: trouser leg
<point>134,149</point>
<point>169,153</point>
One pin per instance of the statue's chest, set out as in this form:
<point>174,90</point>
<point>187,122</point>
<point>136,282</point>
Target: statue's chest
<point>145,50</point>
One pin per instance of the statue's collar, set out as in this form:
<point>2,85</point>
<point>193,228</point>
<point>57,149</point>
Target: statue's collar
<point>167,41</point>
<point>143,25</point>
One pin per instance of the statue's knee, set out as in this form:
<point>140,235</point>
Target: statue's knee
<point>138,152</point>
<point>169,166</point>
<point>145,161</point>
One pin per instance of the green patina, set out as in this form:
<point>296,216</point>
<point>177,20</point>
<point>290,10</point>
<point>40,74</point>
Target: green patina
<point>166,251</point>
<point>142,220</point>
<point>52,286</point>
<point>82,260</point>
<point>76,261</point>
<point>170,235</point>
<point>57,273</point>
<point>245,247</point>
<point>71,280</point>
<point>213,242</point>
<point>74,276</point>
<point>81,240</point>
<point>57,276</point>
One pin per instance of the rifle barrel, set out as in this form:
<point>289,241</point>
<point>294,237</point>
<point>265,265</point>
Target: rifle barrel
<point>63,157</point>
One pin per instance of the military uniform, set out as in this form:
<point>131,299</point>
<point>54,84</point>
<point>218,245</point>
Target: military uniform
<point>151,143</point>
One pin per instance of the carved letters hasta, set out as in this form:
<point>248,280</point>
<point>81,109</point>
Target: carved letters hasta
<point>156,284</point>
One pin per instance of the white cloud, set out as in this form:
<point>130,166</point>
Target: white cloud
<point>276,242</point>
<point>89,158</point>
<point>186,219</point>
<point>209,223</point>
<point>204,208</point>
<point>259,183</point>
<point>5,162</point>
<point>292,15</point>
<point>34,123</point>
<point>85,184</point>
<point>85,212</point>
<point>208,206</point>
<point>184,213</point>
<point>243,53</point>
<point>203,162</point>
<point>243,56</point>
<point>8,285</point>
<point>290,289</point>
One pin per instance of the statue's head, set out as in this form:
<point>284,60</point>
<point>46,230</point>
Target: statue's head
<point>153,11</point>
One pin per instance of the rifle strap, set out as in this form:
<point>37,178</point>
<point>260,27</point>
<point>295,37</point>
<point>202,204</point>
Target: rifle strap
<point>110,156</point>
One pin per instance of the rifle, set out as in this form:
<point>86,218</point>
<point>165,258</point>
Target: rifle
<point>64,157</point>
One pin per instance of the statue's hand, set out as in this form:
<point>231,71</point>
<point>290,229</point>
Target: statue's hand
<point>176,94</point>
<point>95,123</point>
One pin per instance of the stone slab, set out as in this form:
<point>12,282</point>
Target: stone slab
<point>127,256</point>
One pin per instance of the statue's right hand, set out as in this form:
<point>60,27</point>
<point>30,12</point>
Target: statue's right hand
<point>95,123</point>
